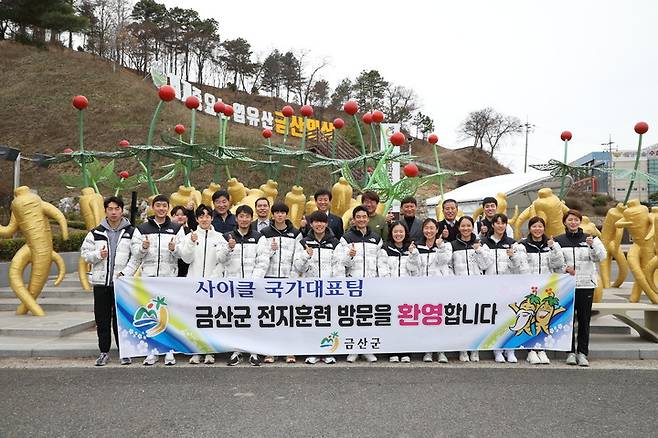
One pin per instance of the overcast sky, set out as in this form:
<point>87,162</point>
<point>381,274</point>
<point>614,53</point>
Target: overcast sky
<point>587,66</point>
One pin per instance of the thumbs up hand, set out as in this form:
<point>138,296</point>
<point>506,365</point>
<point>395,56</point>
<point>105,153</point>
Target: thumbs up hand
<point>352,250</point>
<point>194,236</point>
<point>146,243</point>
<point>231,242</point>
<point>589,240</point>
<point>104,252</point>
<point>172,244</point>
<point>275,245</point>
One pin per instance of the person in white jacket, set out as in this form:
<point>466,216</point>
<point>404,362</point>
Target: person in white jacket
<point>318,257</point>
<point>543,256</point>
<point>155,246</point>
<point>238,257</point>
<point>276,252</point>
<point>506,260</point>
<point>360,250</point>
<point>469,257</point>
<point>582,253</point>
<point>199,250</point>
<point>107,249</point>
<point>435,256</point>
<point>399,258</point>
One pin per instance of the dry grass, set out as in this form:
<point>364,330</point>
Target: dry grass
<point>38,118</point>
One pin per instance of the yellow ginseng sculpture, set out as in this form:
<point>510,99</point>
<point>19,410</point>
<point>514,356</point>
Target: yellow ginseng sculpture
<point>206,196</point>
<point>29,215</point>
<point>184,195</point>
<point>92,212</point>
<point>295,200</point>
<point>271,190</point>
<point>611,237</point>
<point>341,197</point>
<point>310,207</point>
<point>548,207</point>
<point>589,228</point>
<point>236,191</point>
<point>637,221</point>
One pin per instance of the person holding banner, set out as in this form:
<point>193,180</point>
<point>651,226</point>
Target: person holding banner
<point>199,249</point>
<point>360,251</point>
<point>276,251</point>
<point>506,260</point>
<point>107,249</point>
<point>581,254</point>
<point>399,259</point>
<point>543,256</point>
<point>155,245</point>
<point>318,257</point>
<point>469,257</point>
<point>237,259</point>
<point>435,256</point>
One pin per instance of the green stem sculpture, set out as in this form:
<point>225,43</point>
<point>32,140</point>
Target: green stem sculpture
<point>566,144</point>
<point>304,134</point>
<point>438,168</point>
<point>637,163</point>
<point>83,161</point>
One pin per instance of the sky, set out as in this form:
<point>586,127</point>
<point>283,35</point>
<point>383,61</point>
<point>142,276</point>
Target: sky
<point>590,67</point>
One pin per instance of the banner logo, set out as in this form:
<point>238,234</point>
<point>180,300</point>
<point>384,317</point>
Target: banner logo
<point>155,314</point>
<point>332,342</point>
<point>534,314</point>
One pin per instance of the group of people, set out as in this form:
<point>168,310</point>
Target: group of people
<point>213,241</point>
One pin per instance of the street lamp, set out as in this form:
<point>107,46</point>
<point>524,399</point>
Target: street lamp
<point>10,154</point>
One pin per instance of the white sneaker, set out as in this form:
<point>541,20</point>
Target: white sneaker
<point>351,358</point>
<point>427,357</point>
<point>195,359</point>
<point>498,356</point>
<point>543,358</point>
<point>532,358</point>
<point>571,359</point>
<point>475,356</point>
<point>394,359</point>
<point>442,357</point>
<point>312,360</point>
<point>582,360</point>
<point>510,356</point>
<point>463,356</point>
<point>151,359</point>
<point>329,360</point>
<point>209,359</point>
<point>170,359</point>
<point>370,357</point>
<point>405,359</point>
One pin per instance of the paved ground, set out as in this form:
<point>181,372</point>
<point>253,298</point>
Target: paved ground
<point>338,401</point>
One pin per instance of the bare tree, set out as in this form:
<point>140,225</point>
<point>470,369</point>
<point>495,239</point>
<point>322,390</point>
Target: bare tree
<point>487,125</point>
<point>399,103</point>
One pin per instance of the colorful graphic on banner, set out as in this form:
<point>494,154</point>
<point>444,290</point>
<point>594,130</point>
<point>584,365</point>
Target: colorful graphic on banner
<point>344,315</point>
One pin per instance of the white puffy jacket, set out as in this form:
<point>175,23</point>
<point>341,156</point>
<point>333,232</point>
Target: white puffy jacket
<point>240,262</point>
<point>325,261</point>
<point>501,263</point>
<point>157,260</point>
<point>398,262</point>
<point>541,259</point>
<point>435,260</point>
<point>468,261</point>
<point>202,254</point>
<point>368,250</point>
<point>582,257</point>
<point>277,264</point>
<point>102,269</point>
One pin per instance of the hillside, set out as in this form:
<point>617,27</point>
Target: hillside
<point>38,117</point>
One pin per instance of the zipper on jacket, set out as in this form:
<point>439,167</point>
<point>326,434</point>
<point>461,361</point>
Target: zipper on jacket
<point>363,243</point>
<point>280,252</point>
<point>157,270</point>
<point>468,270</point>
<point>400,265</point>
<point>496,251</point>
<point>573,248</point>
<point>242,256</point>
<point>319,263</point>
<point>205,247</point>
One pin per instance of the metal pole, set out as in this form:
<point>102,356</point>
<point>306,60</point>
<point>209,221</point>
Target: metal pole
<point>17,171</point>
<point>525,159</point>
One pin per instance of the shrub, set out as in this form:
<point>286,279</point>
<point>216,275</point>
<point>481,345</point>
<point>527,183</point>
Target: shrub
<point>599,201</point>
<point>600,210</point>
<point>574,203</point>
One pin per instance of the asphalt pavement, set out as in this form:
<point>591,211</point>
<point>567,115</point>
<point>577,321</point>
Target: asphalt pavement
<point>326,401</point>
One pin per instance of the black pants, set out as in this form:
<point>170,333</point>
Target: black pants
<point>105,314</point>
<point>582,314</point>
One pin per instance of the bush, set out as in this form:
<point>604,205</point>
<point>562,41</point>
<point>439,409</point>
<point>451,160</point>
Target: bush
<point>9,247</point>
<point>600,210</point>
<point>599,201</point>
<point>573,203</point>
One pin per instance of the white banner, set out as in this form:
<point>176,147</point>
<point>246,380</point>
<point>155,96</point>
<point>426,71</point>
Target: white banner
<point>344,315</point>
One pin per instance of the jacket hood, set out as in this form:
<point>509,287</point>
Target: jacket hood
<point>125,223</point>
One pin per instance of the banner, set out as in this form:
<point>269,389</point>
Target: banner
<point>344,315</point>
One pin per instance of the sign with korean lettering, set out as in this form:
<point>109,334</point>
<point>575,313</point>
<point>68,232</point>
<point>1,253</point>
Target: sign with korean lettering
<point>344,315</point>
